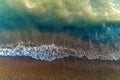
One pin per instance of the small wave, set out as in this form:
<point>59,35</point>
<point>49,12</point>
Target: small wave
<point>51,52</point>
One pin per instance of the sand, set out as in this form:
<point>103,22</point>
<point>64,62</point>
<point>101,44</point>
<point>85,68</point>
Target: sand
<point>71,68</point>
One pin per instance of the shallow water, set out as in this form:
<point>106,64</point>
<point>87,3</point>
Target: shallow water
<point>91,22</point>
<point>49,16</point>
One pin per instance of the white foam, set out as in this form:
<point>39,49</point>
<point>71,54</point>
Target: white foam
<point>51,52</point>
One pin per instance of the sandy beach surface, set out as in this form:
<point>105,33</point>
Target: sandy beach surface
<point>70,68</point>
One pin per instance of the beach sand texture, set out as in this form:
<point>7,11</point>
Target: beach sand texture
<point>71,68</point>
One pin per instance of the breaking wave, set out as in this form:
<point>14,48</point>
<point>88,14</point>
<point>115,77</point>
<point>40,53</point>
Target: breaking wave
<point>92,21</point>
<point>51,52</point>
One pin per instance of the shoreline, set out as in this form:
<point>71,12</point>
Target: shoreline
<point>50,52</point>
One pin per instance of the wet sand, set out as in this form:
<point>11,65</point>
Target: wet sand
<point>71,68</point>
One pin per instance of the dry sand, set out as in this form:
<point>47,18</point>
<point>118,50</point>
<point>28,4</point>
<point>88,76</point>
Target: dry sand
<point>71,68</point>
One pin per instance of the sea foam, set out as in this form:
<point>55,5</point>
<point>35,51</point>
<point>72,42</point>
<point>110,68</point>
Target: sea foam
<point>51,52</point>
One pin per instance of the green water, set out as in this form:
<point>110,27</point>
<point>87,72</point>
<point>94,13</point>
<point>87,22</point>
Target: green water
<point>90,20</point>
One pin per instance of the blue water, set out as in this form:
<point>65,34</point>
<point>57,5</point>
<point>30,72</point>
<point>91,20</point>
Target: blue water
<point>98,32</point>
<point>16,17</point>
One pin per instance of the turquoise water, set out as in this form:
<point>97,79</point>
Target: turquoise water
<point>89,20</point>
<point>15,15</point>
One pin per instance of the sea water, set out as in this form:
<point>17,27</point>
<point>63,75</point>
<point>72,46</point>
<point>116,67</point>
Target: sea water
<point>92,21</point>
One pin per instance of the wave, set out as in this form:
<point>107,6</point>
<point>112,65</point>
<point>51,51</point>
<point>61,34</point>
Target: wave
<point>89,20</point>
<point>51,52</point>
<point>66,10</point>
<point>68,17</point>
<point>29,13</point>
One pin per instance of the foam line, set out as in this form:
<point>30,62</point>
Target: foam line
<point>51,52</point>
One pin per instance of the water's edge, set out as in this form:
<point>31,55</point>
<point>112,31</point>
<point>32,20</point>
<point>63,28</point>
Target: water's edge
<point>51,52</point>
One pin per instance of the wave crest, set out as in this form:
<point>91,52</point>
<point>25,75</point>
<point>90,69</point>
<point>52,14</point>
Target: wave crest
<point>51,52</point>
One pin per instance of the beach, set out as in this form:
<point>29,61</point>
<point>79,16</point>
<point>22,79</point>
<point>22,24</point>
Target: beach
<point>70,68</point>
<point>59,39</point>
